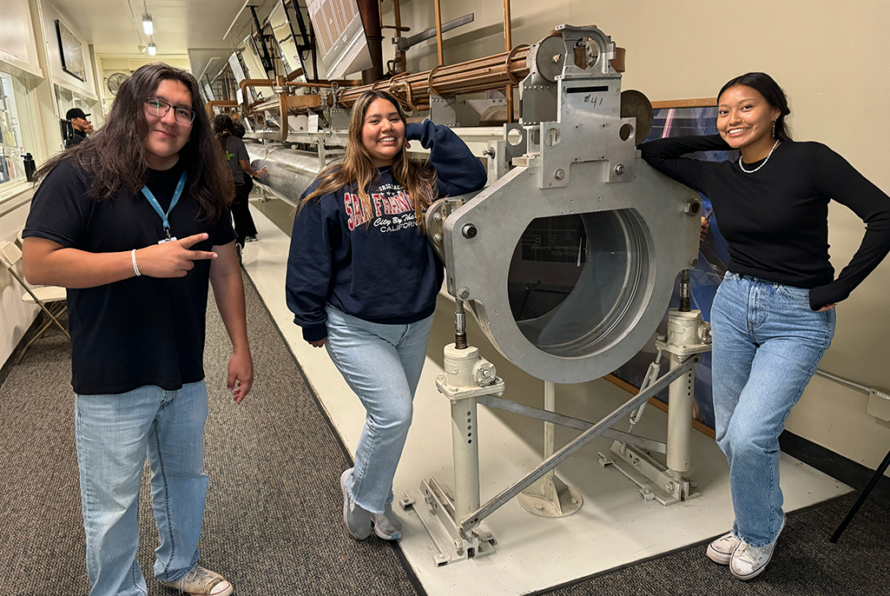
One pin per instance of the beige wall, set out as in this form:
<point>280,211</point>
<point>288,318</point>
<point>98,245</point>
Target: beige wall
<point>831,59</point>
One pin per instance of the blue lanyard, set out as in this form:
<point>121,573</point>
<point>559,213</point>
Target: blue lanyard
<point>157,207</point>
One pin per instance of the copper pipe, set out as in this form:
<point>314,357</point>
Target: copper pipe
<point>324,84</point>
<point>481,74</point>
<point>508,45</point>
<point>398,16</point>
<point>439,32</point>
<point>222,103</point>
<point>370,12</point>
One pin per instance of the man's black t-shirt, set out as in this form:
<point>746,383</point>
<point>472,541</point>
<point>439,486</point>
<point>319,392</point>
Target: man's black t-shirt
<point>142,330</point>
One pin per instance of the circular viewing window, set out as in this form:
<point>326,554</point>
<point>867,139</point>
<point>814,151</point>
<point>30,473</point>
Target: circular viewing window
<point>573,278</point>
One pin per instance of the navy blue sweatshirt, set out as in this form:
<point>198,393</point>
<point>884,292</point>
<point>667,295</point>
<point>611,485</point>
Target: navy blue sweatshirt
<point>376,266</point>
<point>776,219</point>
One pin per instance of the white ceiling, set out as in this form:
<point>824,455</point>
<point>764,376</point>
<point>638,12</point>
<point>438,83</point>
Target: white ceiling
<point>181,27</point>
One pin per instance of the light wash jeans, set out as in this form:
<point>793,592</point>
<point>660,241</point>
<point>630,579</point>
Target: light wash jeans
<point>113,434</point>
<point>382,365</point>
<point>767,345</point>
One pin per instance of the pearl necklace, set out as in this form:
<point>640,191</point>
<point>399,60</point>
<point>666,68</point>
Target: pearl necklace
<point>741,165</point>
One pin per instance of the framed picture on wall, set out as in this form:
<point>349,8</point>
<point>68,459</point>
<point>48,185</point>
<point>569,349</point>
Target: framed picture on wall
<point>71,51</point>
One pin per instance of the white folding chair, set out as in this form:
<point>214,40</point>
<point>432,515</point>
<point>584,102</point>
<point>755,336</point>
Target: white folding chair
<point>11,254</point>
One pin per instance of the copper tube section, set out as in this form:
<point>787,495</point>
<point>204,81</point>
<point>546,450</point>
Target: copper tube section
<point>481,74</point>
<point>403,59</point>
<point>439,32</point>
<point>508,45</point>
<point>222,103</point>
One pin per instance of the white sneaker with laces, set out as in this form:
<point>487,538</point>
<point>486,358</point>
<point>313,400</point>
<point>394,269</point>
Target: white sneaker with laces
<point>748,561</point>
<point>720,551</point>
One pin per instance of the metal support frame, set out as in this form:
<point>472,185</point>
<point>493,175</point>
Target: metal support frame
<point>687,335</point>
<point>454,519</point>
<point>550,496</point>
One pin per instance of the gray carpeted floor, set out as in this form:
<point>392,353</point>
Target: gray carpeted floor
<point>273,522</point>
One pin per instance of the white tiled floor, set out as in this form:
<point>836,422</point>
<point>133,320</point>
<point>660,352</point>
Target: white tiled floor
<point>615,527</point>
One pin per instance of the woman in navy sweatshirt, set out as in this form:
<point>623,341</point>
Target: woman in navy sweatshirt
<point>773,316</point>
<point>362,281</point>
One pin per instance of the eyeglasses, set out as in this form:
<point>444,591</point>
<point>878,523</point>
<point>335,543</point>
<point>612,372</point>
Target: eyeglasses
<point>156,107</point>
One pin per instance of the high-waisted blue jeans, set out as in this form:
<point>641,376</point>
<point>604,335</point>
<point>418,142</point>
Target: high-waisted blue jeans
<point>767,345</point>
<point>382,365</point>
<point>113,435</point>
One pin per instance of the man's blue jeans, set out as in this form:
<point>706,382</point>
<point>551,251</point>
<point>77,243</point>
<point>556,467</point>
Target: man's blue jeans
<point>114,433</point>
<point>767,346</point>
<point>382,365</point>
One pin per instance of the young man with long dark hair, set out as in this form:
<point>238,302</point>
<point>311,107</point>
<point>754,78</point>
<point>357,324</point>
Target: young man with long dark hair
<point>135,224</point>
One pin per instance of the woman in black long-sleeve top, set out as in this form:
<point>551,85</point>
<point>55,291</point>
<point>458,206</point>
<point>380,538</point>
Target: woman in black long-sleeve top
<point>773,316</point>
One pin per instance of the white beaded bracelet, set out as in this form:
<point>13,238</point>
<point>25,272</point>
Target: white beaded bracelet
<point>135,267</point>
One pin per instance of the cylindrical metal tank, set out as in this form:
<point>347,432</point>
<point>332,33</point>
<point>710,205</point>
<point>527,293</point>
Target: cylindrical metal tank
<point>288,172</point>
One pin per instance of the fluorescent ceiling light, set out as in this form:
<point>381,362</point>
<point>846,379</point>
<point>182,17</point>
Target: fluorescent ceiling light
<point>147,25</point>
<point>152,49</point>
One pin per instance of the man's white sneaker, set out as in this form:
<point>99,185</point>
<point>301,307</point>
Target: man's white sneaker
<point>720,551</point>
<point>748,561</point>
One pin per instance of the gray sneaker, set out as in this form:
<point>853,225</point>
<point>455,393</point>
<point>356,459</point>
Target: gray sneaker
<point>201,582</point>
<point>386,525</point>
<point>357,519</point>
<point>720,551</point>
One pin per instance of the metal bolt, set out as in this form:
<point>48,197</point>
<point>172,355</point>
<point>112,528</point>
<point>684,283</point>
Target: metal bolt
<point>693,262</point>
<point>463,293</point>
<point>692,207</point>
<point>459,546</point>
<point>619,169</point>
<point>556,58</point>
<point>669,486</point>
<point>437,238</point>
<point>437,216</point>
<point>490,152</point>
<point>559,174</point>
<point>469,231</point>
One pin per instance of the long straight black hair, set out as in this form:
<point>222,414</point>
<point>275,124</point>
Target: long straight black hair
<point>770,90</point>
<point>114,157</point>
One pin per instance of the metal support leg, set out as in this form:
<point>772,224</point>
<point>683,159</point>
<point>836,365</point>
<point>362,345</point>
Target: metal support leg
<point>550,496</point>
<point>467,376</point>
<point>687,335</point>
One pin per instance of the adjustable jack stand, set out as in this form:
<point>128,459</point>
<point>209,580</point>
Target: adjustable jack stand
<point>687,336</point>
<point>467,376</point>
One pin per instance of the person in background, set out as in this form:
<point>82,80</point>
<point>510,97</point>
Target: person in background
<point>773,316</point>
<point>135,224</point>
<point>239,164</point>
<point>362,281</point>
<point>239,132</point>
<point>81,125</point>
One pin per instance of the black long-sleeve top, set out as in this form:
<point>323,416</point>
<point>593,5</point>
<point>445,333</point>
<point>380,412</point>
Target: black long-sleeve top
<point>776,219</point>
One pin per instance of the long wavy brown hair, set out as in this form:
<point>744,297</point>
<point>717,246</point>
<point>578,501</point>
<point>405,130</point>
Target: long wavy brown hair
<point>114,157</point>
<point>357,168</point>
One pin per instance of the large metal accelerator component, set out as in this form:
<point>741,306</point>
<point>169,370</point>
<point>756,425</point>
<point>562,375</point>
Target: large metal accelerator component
<point>569,260</point>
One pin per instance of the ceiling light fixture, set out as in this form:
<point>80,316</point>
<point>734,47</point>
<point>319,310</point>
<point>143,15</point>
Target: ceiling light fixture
<point>147,24</point>
<point>152,49</point>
